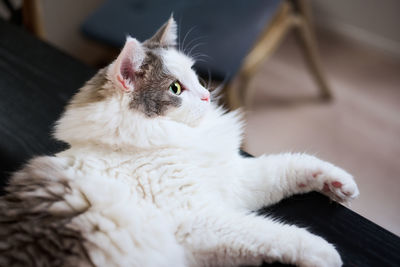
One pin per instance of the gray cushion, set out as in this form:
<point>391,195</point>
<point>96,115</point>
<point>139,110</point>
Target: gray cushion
<point>223,30</point>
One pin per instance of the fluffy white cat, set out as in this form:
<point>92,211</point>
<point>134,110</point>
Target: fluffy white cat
<point>153,177</point>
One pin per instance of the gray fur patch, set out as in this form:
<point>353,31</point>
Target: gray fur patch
<point>93,91</point>
<point>29,234</point>
<point>162,38</point>
<point>151,95</point>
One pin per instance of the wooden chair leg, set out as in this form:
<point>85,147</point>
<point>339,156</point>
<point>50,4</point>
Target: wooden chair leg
<point>238,92</point>
<point>32,17</point>
<point>308,43</point>
<point>291,14</point>
<point>231,98</point>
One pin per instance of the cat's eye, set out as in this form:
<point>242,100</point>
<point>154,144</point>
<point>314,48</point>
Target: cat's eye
<point>176,88</point>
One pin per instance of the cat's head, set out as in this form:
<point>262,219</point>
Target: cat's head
<point>150,81</point>
<point>159,79</point>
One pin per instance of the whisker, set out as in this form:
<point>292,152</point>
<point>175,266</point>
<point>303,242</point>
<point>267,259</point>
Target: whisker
<point>194,47</point>
<point>201,60</point>
<point>217,92</point>
<point>186,35</point>
<point>194,40</point>
<point>179,34</point>
<point>201,55</point>
<point>209,78</point>
<point>198,57</point>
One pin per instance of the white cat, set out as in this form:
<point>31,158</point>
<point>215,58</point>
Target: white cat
<point>153,177</point>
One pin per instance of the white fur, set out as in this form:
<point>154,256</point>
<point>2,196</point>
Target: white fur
<point>193,107</point>
<point>173,190</point>
<point>170,33</point>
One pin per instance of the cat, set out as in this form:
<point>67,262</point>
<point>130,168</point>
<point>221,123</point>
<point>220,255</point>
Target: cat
<point>153,177</point>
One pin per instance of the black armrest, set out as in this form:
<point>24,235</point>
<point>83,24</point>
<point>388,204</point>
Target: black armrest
<point>359,241</point>
<point>36,81</point>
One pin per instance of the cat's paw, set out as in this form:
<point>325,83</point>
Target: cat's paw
<point>316,252</point>
<point>336,183</point>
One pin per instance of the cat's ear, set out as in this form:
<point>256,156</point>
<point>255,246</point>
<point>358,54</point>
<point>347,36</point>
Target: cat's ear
<point>123,70</point>
<point>167,34</point>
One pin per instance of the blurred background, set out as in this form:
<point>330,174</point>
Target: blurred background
<point>356,125</point>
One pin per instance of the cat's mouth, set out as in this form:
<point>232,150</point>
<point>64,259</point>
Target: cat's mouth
<point>207,99</point>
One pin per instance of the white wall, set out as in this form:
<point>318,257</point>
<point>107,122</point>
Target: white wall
<point>373,22</point>
<point>62,21</point>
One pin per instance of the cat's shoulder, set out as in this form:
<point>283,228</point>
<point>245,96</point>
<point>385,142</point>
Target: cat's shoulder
<point>45,167</point>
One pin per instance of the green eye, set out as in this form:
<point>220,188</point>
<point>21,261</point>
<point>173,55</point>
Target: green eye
<point>175,88</point>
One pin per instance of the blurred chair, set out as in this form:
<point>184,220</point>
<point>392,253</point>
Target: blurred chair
<point>295,14</point>
<point>32,17</point>
<point>228,38</point>
<point>29,15</point>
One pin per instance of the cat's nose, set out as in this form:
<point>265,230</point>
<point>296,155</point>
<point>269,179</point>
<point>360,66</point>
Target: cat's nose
<point>206,96</point>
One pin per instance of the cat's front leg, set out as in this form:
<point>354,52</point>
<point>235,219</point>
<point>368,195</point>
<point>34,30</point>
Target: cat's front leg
<point>271,178</point>
<point>237,239</point>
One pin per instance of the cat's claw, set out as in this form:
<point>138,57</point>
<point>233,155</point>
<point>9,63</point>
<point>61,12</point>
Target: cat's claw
<point>337,184</point>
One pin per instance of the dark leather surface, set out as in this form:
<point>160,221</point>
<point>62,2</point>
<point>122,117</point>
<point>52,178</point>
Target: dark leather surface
<point>36,80</point>
<point>359,241</point>
<point>223,30</point>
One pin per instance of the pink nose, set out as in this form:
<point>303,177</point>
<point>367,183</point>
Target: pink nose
<point>206,97</point>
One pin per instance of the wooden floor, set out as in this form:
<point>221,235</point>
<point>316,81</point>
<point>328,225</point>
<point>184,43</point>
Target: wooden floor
<point>359,130</point>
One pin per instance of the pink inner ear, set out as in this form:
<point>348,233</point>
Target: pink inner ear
<point>127,71</point>
<point>127,63</point>
<point>122,82</point>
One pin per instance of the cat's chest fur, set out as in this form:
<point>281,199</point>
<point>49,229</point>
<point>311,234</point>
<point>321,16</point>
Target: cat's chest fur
<point>170,179</point>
